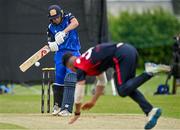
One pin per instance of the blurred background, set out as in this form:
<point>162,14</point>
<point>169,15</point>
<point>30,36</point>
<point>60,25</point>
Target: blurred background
<point>150,25</point>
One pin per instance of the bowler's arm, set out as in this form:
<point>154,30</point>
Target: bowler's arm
<point>79,94</point>
<point>101,82</point>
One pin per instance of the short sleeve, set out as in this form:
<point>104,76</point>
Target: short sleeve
<point>81,75</point>
<point>71,16</point>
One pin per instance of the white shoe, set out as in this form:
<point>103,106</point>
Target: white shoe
<point>152,68</point>
<point>153,116</point>
<point>56,110</point>
<point>64,113</point>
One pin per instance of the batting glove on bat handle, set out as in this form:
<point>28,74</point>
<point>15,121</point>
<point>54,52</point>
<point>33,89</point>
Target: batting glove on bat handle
<point>53,46</point>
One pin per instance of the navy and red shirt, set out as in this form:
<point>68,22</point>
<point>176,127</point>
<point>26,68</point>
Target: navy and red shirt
<point>95,60</point>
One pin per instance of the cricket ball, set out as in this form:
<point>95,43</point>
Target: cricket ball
<point>37,64</point>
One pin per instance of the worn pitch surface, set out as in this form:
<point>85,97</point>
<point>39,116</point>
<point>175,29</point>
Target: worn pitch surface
<point>86,122</point>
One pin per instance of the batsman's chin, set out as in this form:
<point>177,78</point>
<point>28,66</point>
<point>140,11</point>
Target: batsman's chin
<point>73,119</point>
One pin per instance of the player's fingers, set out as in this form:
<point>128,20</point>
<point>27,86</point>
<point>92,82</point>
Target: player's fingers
<point>86,106</point>
<point>73,119</point>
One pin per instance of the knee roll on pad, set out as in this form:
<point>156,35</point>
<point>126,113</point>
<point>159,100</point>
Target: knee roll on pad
<point>70,80</point>
<point>69,88</point>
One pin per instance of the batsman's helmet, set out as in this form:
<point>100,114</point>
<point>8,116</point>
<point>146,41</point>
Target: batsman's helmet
<point>55,11</point>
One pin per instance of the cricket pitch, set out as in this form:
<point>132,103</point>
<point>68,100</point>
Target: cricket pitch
<point>86,122</point>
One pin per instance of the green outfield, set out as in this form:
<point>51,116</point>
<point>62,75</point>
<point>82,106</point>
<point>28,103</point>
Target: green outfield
<point>26,100</point>
<point>107,104</point>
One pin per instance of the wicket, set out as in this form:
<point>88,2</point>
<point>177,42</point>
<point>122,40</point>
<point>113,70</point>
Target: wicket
<point>46,72</point>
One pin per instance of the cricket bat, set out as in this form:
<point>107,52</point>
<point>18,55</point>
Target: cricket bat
<point>34,58</point>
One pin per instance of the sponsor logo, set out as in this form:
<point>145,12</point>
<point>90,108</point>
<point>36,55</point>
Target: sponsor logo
<point>43,53</point>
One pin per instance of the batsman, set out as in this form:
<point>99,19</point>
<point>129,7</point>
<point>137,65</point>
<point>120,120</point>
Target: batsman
<point>62,38</point>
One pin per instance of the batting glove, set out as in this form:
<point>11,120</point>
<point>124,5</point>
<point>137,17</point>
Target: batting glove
<point>59,37</point>
<point>53,46</point>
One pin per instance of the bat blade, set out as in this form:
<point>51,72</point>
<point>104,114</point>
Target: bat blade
<point>34,58</point>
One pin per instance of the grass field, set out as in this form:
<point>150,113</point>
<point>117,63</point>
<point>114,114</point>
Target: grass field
<point>26,100</point>
<point>107,104</point>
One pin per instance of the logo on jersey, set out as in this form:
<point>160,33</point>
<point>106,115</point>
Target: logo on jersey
<point>88,53</point>
<point>53,12</point>
<point>78,61</point>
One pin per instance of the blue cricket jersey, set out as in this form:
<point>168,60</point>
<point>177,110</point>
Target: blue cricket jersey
<point>71,40</point>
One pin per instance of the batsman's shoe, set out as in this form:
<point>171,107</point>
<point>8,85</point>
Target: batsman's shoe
<point>64,113</point>
<point>153,116</point>
<point>152,68</point>
<point>56,110</point>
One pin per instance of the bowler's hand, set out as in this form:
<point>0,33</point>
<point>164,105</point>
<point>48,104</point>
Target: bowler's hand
<point>88,105</point>
<point>73,119</point>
